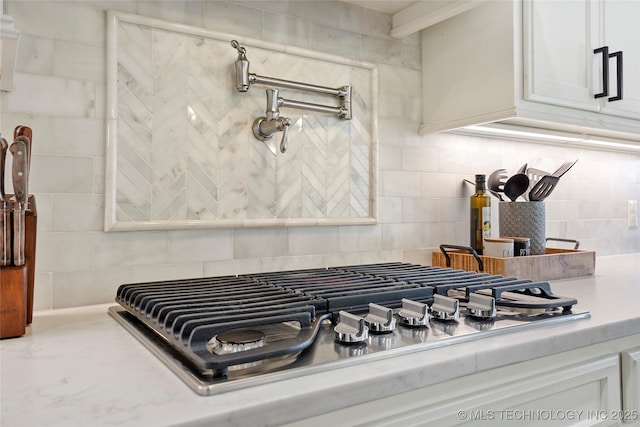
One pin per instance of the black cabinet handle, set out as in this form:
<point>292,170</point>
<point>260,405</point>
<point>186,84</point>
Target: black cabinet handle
<point>618,56</point>
<point>605,70</point>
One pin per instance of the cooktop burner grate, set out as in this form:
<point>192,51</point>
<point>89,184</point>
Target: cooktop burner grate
<point>216,325</point>
<point>347,290</point>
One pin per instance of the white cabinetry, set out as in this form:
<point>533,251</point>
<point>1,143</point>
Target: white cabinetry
<point>621,32</point>
<point>596,385</point>
<point>557,54</point>
<point>577,393</point>
<point>560,64</point>
<point>532,63</point>
<point>630,361</point>
<point>590,389</point>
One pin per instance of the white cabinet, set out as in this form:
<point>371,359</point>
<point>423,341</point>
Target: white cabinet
<point>565,60</point>
<point>557,53</point>
<point>630,361</point>
<point>621,32</point>
<point>574,394</point>
<point>532,63</point>
<point>585,393</point>
<point>596,385</point>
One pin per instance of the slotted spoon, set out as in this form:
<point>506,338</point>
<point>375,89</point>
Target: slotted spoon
<point>496,182</point>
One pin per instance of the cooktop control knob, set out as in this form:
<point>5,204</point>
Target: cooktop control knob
<point>350,328</point>
<point>413,313</point>
<point>380,319</point>
<point>445,308</point>
<point>481,306</point>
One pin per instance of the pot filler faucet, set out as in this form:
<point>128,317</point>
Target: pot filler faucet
<point>272,122</point>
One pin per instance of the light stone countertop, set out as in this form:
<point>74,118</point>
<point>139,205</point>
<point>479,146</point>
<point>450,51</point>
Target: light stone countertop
<point>78,367</point>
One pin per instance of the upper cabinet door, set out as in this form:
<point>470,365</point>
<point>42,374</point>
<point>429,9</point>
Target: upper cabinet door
<point>560,64</point>
<point>557,53</point>
<point>621,33</point>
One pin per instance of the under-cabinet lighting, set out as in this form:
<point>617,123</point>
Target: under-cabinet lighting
<point>522,134</point>
<point>612,144</point>
<point>550,136</point>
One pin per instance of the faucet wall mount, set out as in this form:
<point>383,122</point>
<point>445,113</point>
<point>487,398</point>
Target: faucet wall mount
<point>265,127</point>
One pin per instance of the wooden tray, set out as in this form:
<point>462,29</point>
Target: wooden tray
<point>555,264</point>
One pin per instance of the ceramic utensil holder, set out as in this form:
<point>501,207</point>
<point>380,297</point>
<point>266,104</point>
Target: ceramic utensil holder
<point>524,219</point>
<point>16,283</point>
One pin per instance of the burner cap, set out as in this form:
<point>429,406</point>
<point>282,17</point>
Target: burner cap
<point>240,336</point>
<point>236,340</point>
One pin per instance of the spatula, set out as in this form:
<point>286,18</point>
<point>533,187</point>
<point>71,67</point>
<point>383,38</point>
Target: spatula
<point>534,176</point>
<point>543,188</point>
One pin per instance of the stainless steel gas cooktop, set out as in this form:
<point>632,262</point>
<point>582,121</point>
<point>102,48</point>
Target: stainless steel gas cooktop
<point>225,333</point>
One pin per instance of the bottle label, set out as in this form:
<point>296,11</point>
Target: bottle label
<point>486,222</point>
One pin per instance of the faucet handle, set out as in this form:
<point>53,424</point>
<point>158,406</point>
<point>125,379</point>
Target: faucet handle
<point>263,129</point>
<point>284,143</point>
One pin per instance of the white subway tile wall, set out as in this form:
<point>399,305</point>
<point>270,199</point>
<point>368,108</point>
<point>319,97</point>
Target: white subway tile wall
<point>60,93</point>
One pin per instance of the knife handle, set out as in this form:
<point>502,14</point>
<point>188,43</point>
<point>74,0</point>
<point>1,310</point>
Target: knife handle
<point>4,146</point>
<point>18,233</point>
<point>5,233</point>
<point>26,132</point>
<point>22,130</point>
<point>19,149</point>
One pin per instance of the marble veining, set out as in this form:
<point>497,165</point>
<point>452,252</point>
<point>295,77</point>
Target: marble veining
<point>184,153</point>
<point>79,367</point>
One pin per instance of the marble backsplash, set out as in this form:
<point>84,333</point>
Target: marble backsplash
<point>60,91</point>
<point>183,153</point>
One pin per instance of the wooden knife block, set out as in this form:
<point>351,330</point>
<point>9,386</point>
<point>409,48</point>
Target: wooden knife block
<point>16,283</point>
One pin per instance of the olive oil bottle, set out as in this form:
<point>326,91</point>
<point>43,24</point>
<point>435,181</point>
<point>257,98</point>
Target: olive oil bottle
<point>480,204</point>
